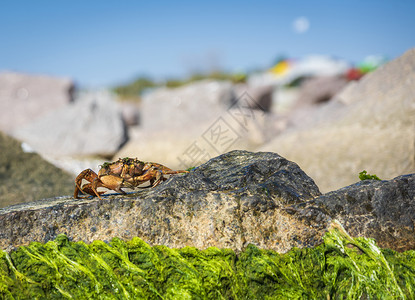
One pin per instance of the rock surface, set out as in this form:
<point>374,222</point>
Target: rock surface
<point>370,126</point>
<point>261,96</point>
<point>383,210</point>
<point>24,97</point>
<point>233,200</point>
<point>318,90</point>
<point>92,125</point>
<point>26,176</point>
<point>186,106</point>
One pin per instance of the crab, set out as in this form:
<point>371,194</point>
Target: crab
<point>123,173</point>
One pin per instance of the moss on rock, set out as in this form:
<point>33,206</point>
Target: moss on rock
<point>340,268</point>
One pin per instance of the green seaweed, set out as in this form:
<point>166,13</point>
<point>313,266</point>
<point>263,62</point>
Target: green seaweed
<point>341,267</point>
<point>364,176</point>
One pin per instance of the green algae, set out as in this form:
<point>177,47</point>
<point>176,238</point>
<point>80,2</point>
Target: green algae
<point>365,176</point>
<point>341,267</point>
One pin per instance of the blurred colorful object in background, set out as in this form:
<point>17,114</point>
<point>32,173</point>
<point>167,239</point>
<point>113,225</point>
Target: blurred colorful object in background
<point>281,67</point>
<point>354,74</point>
<point>369,64</point>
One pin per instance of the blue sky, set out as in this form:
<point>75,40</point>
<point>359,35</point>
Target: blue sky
<point>99,43</point>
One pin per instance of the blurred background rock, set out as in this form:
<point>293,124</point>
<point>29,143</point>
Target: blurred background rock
<point>26,177</point>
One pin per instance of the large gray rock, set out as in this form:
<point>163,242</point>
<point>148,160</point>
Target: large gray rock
<point>261,95</point>
<point>233,200</point>
<point>317,90</point>
<point>172,120</point>
<point>186,126</point>
<point>370,125</point>
<point>383,210</point>
<point>92,125</point>
<point>24,97</point>
<point>186,106</point>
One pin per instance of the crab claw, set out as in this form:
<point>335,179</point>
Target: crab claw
<point>88,175</point>
<point>87,189</point>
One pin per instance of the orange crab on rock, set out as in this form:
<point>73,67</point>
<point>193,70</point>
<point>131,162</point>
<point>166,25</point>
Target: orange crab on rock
<point>124,173</point>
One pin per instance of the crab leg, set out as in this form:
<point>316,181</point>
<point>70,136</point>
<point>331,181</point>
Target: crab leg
<point>111,182</point>
<point>166,170</point>
<point>156,176</point>
<point>149,175</point>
